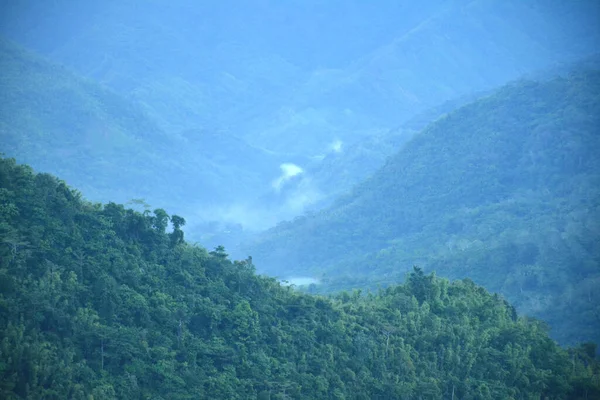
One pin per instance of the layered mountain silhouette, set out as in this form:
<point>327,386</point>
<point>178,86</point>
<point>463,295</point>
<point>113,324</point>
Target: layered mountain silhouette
<point>283,79</point>
<point>503,190</point>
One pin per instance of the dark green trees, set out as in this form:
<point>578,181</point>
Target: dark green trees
<point>100,302</point>
<point>177,234</point>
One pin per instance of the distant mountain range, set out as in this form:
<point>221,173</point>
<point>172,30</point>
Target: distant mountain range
<point>298,77</point>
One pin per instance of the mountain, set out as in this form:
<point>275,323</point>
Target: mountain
<point>503,190</point>
<point>298,76</point>
<point>463,47</point>
<point>111,148</point>
<point>281,84</point>
<point>457,48</point>
<point>99,301</point>
<point>331,175</point>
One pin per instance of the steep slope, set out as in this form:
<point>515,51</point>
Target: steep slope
<point>504,191</point>
<point>98,301</point>
<point>72,126</point>
<point>283,83</point>
<point>110,147</point>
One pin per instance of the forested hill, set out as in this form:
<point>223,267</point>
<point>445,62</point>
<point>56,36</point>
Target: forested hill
<point>504,191</point>
<point>100,302</point>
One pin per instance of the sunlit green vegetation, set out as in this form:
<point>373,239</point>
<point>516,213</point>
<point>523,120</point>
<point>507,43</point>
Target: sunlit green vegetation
<point>99,301</point>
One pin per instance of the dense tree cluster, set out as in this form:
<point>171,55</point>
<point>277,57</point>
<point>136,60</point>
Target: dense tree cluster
<point>102,302</point>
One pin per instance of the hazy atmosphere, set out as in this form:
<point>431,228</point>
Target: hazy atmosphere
<point>262,199</point>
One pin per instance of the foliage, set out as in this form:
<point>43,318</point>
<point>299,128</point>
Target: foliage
<point>98,301</point>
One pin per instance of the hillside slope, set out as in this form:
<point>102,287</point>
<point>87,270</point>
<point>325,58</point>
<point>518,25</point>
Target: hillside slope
<point>98,301</point>
<point>239,88</point>
<point>504,191</point>
<point>301,74</point>
<point>464,47</point>
<point>110,148</point>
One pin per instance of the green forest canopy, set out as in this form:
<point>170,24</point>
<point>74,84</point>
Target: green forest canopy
<point>100,302</point>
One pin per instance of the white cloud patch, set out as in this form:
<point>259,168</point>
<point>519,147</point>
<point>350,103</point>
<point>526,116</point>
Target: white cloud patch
<point>254,215</point>
<point>288,171</point>
<point>336,146</point>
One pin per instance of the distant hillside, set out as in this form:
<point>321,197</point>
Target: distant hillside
<point>504,191</point>
<point>100,302</point>
<point>73,126</point>
<point>462,47</point>
<point>296,76</point>
<point>455,49</point>
<point>110,148</point>
<point>345,165</point>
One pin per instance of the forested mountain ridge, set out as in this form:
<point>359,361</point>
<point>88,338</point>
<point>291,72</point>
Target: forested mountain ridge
<point>503,191</point>
<point>98,301</point>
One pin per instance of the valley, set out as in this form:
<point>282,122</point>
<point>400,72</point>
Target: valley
<point>257,199</point>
